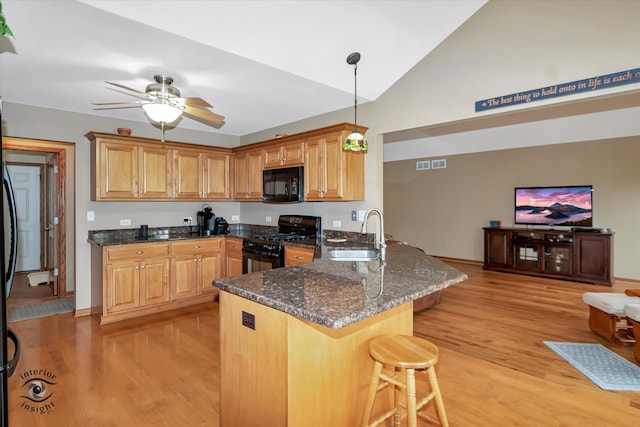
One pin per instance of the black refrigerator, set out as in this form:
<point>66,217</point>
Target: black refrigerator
<point>8,252</point>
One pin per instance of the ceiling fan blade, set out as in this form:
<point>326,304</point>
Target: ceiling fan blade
<point>125,87</point>
<point>194,102</point>
<point>116,103</point>
<point>116,107</point>
<point>203,114</point>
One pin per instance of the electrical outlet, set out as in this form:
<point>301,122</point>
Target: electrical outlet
<point>235,217</point>
<point>268,219</point>
<point>337,223</point>
<point>361,215</point>
<point>249,320</point>
<point>91,215</point>
<point>187,220</point>
<point>125,222</point>
<point>354,216</point>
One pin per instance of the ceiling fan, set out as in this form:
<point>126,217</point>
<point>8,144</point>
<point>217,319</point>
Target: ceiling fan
<point>163,104</point>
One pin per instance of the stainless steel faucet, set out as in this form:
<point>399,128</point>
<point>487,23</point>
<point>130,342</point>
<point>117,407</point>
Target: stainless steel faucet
<point>381,244</point>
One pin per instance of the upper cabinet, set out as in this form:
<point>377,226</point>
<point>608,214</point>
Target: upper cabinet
<point>125,171</point>
<point>134,168</point>
<point>130,168</point>
<point>248,175</point>
<point>282,155</point>
<point>330,173</point>
<point>202,175</point>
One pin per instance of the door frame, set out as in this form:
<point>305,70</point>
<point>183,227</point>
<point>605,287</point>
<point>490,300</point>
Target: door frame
<point>59,148</point>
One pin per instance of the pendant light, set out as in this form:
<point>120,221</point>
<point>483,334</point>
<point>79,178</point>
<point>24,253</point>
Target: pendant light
<point>355,141</point>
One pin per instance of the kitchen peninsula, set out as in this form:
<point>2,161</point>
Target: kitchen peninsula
<point>293,341</point>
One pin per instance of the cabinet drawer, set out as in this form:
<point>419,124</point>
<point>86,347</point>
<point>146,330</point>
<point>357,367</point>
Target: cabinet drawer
<point>294,255</point>
<point>233,247</point>
<point>213,244</point>
<point>137,251</point>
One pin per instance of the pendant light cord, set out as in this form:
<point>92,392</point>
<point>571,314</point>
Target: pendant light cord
<point>355,91</point>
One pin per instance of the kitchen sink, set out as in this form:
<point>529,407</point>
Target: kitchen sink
<point>353,255</point>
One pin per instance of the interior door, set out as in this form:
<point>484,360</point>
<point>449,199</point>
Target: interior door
<point>51,218</point>
<point>26,187</point>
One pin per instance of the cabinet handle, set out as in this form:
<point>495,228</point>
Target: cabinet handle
<point>142,267</point>
<point>195,260</point>
<point>139,252</point>
<point>137,267</point>
<point>299,257</point>
<point>197,246</point>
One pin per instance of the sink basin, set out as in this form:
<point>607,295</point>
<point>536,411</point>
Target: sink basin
<point>353,255</point>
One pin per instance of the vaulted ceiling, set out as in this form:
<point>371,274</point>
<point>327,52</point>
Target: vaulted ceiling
<point>259,63</point>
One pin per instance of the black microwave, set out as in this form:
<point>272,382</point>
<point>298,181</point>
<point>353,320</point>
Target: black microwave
<point>284,185</point>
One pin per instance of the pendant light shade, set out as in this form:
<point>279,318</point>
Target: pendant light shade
<point>355,141</point>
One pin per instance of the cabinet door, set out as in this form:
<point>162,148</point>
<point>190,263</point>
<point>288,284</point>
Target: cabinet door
<point>254,180</point>
<point>332,157</point>
<point>592,260</point>
<point>273,157</point>
<point>294,255</point>
<point>248,175</point>
<point>184,272</point>
<point>210,266</point>
<point>313,170</point>
<point>155,173</point>
<point>216,176</point>
<point>154,281</point>
<point>122,286</point>
<point>118,167</point>
<point>188,170</point>
<point>293,154</point>
<point>496,251</point>
<point>240,175</point>
<point>233,249</point>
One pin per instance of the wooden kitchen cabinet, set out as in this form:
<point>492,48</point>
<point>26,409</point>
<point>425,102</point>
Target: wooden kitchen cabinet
<point>330,173</point>
<point>284,155</point>
<point>248,175</point>
<point>135,277</point>
<point>296,255</point>
<point>194,266</point>
<point>202,175</point>
<point>233,252</point>
<point>130,171</point>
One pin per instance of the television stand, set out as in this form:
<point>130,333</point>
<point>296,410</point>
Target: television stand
<point>570,255</point>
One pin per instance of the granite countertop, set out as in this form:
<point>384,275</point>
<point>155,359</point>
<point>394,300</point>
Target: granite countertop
<point>336,294</point>
<point>167,234</point>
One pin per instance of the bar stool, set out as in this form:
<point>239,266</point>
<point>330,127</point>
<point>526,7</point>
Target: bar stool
<point>405,355</point>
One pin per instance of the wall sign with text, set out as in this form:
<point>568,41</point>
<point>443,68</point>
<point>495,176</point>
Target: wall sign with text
<point>585,85</point>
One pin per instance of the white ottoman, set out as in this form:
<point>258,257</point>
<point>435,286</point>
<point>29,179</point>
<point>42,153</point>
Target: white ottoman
<point>606,315</point>
<point>632,311</point>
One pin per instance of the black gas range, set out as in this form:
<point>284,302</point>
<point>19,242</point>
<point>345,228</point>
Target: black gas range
<point>266,251</point>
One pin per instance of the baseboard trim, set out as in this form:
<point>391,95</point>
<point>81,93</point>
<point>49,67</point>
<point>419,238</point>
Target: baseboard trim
<point>82,312</point>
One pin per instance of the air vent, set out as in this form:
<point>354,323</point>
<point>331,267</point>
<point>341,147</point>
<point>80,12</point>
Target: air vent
<point>423,165</point>
<point>439,164</point>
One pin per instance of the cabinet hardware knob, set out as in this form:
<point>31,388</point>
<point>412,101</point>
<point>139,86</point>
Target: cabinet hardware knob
<point>142,267</point>
<point>137,267</point>
<point>139,252</point>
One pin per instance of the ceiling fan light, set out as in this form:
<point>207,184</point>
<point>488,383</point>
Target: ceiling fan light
<point>355,142</point>
<point>162,113</point>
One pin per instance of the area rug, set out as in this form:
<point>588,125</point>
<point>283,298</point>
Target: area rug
<point>39,309</point>
<point>606,369</point>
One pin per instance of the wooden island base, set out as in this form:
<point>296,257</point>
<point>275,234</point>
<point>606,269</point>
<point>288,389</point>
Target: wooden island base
<point>292,372</point>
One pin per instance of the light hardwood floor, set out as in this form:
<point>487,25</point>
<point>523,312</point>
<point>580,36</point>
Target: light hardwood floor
<point>163,370</point>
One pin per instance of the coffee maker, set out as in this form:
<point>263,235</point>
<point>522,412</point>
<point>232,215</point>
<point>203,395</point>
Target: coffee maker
<point>206,221</point>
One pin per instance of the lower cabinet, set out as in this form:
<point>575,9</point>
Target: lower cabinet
<point>296,255</point>
<point>233,251</point>
<point>194,266</point>
<point>133,280</point>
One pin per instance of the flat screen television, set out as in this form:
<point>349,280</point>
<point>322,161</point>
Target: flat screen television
<point>570,206</point>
